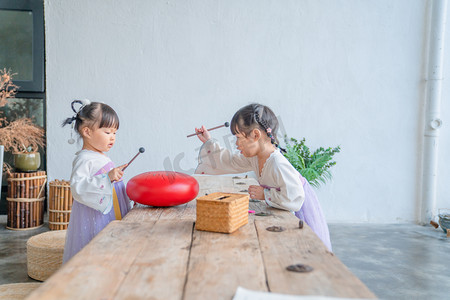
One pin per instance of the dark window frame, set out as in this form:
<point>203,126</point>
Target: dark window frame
<point>36,85</point>
<point>33,89</point>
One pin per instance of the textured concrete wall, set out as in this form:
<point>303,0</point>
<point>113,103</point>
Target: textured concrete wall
<point>348,73</point>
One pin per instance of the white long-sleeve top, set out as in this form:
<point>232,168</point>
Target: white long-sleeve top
<point>90,183</point>
<point>283,188</point>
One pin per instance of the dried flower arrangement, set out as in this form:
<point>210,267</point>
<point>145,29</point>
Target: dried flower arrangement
<point>7,88</point>
<point>20,135</point>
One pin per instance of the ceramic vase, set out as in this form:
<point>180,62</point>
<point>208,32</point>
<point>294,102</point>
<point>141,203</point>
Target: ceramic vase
<point>27,161</point>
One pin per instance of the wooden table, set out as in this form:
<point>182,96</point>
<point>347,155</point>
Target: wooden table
<point>156,253</point>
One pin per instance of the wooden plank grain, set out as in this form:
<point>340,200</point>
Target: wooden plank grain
<point>220,262</point>
<point>211,184</point>
<point>186,212</point>
<point>143,213</point>
<point>159,270</point>
<point>99,269</point>
<point>330,277</point>
<point>225,184</point>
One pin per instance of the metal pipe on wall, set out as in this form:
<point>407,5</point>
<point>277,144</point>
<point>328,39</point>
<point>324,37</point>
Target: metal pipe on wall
<point>432,113</point>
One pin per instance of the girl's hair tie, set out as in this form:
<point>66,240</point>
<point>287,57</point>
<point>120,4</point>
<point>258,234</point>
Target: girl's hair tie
<point>269,134</point>
<point>83,103</point>
<point>72,119</point>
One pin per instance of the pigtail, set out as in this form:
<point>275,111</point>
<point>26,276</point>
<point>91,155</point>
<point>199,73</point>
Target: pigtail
<point>83,103</point>
<point>264,124</point>
<point>68,121</point>
<point>75,117</point>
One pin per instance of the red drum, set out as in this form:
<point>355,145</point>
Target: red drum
<point>162,188</point>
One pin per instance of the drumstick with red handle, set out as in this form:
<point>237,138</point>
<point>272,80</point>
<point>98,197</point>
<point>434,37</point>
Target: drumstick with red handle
<point>141,150</point>
<point>224,125</point>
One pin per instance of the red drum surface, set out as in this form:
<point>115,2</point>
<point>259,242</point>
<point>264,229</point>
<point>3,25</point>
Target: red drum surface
<point>162,188</point>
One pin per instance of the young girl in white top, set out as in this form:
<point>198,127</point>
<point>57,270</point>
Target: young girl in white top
<point>95,182</point>
<point>281,185</point>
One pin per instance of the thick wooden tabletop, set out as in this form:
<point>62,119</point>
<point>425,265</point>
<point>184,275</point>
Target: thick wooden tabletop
<point>156,253</point>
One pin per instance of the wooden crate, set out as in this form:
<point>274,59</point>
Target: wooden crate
<point>59,204</point>
<point>26,195</point>
<point>222,212</point>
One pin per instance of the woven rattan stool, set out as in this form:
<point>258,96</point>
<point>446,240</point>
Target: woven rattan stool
<point>45,253</point>
<point>17,291</point>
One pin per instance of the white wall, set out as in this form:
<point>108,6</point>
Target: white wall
<point>443,182</point>
<point>348,73</point>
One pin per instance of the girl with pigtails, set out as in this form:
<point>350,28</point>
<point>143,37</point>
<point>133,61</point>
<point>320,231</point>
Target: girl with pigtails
<point>281,185</point>
<point>96,185</point>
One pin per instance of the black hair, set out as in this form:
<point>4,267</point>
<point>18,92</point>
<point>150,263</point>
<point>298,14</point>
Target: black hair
<point>254,116</point>
<point>93,115</point>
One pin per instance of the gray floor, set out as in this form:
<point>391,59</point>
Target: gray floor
<point>401,261</point>
<point>13,252</point>
<point>395,261</point>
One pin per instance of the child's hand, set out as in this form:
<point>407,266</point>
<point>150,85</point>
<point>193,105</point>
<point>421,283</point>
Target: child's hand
<point>116,173</point>
<point>203,134</point>
<point>256,192</point>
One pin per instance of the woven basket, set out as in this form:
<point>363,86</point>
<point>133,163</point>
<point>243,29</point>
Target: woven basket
<point>59,204</point>
<point>222,212</point>
<point>16,291</point>
<point>45,253</point>
<point>26,195</point>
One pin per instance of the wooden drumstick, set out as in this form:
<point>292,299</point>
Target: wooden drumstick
<point>141,150</point>
<point>224,125</point>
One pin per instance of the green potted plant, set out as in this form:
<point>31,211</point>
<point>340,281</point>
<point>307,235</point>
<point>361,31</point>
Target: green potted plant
<point>313,166</point>
<point>20,137</point>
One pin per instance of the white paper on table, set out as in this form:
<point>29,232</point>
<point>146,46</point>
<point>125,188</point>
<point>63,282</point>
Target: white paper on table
<point>245,294</point>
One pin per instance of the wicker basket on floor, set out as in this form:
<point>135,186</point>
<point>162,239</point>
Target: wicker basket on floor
<point>59,204</point>
<point>16,291</point>
<point>45,253</point>
<point>222,212</point>
<point>26,195</point>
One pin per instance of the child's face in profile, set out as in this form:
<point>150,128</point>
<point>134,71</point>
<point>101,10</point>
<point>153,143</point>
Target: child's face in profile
<point>99,139</point>
<point>248,145</point>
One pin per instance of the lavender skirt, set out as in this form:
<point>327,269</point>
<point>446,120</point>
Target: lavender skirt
<point>85,223</point>
<point>311,213</point>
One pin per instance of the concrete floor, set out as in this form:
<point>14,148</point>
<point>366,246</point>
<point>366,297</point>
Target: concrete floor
<point>401,261</point>
<point>13,252</point>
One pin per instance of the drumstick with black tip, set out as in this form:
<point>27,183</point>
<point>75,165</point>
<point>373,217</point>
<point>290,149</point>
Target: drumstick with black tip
<point>224,125</point>
<point>141,150</point>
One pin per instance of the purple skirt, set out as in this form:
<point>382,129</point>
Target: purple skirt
<point>311,213</point>
<point>85,223</point>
